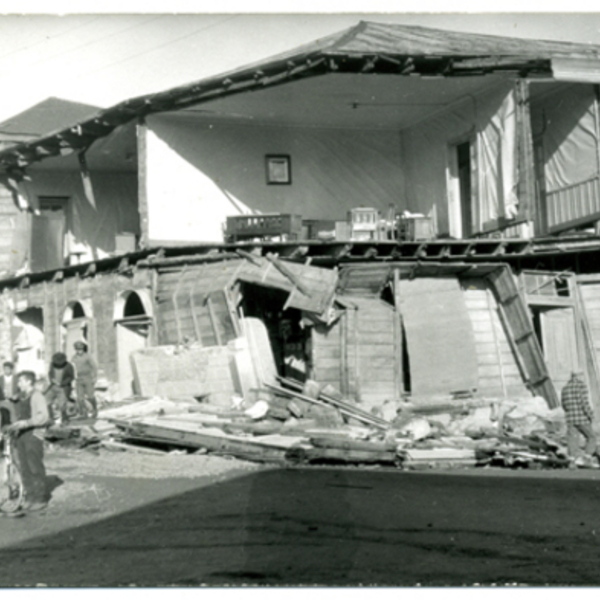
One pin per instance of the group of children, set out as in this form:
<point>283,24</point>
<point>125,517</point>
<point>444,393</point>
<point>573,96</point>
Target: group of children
<point>80,373</point>
<point>29,404</point>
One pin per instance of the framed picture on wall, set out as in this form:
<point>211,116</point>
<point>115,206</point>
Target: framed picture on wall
<point>279,169</point>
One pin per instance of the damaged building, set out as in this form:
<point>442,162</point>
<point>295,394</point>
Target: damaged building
<point>407,212</point>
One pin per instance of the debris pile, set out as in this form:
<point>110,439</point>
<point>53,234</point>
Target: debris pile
<point>230,401</point>
<point>304,423</point>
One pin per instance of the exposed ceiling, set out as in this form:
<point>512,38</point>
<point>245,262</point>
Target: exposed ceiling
<point>348,101</point>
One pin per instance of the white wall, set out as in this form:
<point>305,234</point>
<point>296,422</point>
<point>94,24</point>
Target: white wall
<point>200,172</point>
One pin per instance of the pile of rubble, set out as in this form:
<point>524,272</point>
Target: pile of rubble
<point>305,423</point>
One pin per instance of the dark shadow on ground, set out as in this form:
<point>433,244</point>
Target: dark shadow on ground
<point>332,527</point>
<point>53,482</point>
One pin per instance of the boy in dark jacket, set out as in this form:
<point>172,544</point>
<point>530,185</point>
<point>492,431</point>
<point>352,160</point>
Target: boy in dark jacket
<point>61,377</point>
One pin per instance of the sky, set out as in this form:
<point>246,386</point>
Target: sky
<point>134,48</point>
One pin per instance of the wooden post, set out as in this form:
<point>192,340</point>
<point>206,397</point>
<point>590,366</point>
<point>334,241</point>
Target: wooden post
<point>175,306</point>
<point>597,128</point>
<point>489,298</point>
<point>213,320</point>
<point>344,375</point>
<point>398,350</point>
<point>142,169</point>
<point>525,160</point>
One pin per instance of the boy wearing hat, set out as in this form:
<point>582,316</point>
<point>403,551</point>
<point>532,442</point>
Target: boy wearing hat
<point>86,373</point>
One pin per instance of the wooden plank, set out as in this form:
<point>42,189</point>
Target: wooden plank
<point>398,344</point>
<point>326,356</point>
<point>215,442</point>
<point>437,324</point>
<point>213,321</point>
<point>516,320</point>
<point>329,373</point>
<point>343,456</point>
<point>343,355</point>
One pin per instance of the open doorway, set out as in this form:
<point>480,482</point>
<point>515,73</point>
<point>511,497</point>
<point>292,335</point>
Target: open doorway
<point>460,192</point>
<point>290,341</point>
<point>133,322</point>
<point>78,326</point>
<point>556,333</point>
<point>28,340</point>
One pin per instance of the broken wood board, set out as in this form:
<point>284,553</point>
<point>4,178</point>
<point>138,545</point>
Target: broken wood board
<point>438,454</point>
<point>261,352</point>
<point>184,371</point>
<point>265,448</point>
<point>146,407</point>
<point>335,442</point>
<point>439,333</point>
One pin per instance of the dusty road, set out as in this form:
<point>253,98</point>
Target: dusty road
<point>272,526</point>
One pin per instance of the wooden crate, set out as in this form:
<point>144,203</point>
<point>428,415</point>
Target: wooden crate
<point>244,227</point>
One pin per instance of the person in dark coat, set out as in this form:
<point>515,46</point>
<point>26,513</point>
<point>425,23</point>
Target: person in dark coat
<point>61,375</point>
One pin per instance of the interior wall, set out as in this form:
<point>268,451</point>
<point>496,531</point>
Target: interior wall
<point>92,227</point>
<point>425,152</point>
<point>203,171</point>
<point>566,122</point>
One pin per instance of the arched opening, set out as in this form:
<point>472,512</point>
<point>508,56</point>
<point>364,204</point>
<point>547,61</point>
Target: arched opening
<point>78,326</point>
<point>133,321</point>
<point>28,340</point>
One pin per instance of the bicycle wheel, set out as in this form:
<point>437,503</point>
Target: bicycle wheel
<point>11,490</point>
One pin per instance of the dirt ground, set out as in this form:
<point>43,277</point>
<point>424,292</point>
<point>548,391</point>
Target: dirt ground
<point>120,519</point>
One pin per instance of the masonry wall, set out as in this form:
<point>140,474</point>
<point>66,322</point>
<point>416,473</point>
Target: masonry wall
<point>99,293</point>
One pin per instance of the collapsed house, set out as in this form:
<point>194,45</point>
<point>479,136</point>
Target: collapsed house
<point>381,199</point>
<point>374,330</point>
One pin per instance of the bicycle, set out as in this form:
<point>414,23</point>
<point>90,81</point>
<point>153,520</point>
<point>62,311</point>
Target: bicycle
<point>11,490</point>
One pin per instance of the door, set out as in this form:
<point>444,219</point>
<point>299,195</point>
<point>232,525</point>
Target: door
<point>48,230</point>
<point>559,344</point>
<point>460,188</point>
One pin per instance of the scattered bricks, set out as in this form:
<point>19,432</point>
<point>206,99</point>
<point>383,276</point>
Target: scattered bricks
<point>295,408</point>
<point>324,415</point>
<point>281,414</point>
<point>311,389</point>
<point>332,392</point>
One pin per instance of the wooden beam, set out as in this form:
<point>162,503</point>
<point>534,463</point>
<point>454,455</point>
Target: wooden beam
<point>398,342</point>
<point>284,270</point>
<point>525,156</point>
<point>213,320</point>
<point>549,301</point>
<point>142,175</point>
